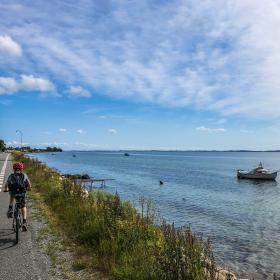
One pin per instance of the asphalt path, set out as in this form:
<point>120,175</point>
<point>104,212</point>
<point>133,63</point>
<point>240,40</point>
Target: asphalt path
<point>24,260</point>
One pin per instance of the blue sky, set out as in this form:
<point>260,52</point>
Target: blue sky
<point>140,74</point>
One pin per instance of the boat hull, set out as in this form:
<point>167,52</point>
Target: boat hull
<point>256,176</point>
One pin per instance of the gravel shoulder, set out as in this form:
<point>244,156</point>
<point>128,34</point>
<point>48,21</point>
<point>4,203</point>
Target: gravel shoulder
<point>64,259</point>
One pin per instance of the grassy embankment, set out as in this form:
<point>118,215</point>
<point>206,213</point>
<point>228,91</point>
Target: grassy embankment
<point>124,243</point>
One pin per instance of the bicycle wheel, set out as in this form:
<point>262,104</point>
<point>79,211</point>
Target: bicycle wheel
<point>17,227</point>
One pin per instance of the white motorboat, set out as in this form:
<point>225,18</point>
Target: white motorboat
<point>257,173</point>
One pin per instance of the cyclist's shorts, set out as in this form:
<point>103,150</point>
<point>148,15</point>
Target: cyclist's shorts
<point>23,201</point>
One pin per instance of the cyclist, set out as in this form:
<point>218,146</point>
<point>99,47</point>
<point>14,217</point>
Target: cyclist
<point>19,181</point>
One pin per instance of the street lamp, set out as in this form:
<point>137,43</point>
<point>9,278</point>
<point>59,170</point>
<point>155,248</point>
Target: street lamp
<point>19,131</point>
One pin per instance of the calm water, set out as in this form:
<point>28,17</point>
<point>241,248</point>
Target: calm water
<point>242,218</point>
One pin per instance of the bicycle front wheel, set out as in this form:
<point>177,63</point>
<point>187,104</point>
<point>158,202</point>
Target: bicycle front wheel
<point>17,229</point>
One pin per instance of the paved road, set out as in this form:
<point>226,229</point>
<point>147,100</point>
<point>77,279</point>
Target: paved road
<point>22,261</point>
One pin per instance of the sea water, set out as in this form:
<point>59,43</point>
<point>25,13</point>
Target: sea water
<point>241,217</point>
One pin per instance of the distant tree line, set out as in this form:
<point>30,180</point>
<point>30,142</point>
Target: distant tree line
<point>2,145</point>
<point>27,149</point>
<point>53,149</point>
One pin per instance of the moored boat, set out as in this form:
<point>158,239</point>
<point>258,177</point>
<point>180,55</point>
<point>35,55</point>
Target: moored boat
<point>258,173</point>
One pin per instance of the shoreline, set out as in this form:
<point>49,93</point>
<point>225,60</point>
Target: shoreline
<point>35,150</point>
<point>222,273</point>
<point>176,151</point>
<point>223,260</point>
<point>225,257</point>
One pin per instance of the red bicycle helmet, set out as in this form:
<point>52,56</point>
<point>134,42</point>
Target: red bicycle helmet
<point>18,166</point>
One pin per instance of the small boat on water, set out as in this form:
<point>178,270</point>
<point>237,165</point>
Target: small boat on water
<point>126,154</point>
<point>258,173</point>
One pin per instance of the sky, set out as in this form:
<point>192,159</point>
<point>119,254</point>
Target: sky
<point>149,74</point>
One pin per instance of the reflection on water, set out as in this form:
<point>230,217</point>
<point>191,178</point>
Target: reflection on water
<point>241,217</point>
<point>264,183</point>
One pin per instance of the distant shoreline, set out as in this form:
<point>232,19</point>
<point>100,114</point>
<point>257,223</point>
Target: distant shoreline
<point>179,151</point>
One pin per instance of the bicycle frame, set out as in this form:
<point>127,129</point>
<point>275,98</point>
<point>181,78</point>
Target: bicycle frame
<point>17,221</point>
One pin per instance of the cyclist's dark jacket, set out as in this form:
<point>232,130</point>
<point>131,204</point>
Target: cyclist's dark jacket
<point>17,183</point>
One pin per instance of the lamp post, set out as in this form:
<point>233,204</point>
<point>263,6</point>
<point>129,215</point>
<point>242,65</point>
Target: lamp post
<point>19,131</point>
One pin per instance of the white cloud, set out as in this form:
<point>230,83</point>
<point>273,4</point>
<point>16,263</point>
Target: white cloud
<point>16,143</point>
<point>77,91</point>
<point>222,56</point>
<point>9,85</point>
<point>88,145</point>
<point>74,146</point>
<point>9,47</point>
<point>112,131</point>
<point>207,129</point>
<point>62,129</point>
<point>80,131</point>
<point>31,83</point>
<point>56,144</point>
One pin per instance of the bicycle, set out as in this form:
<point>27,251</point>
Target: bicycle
<point>17,220</point>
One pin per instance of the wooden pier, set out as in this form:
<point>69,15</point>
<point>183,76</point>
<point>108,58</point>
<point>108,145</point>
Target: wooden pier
<point>89,182</point>
<point>85,180</point>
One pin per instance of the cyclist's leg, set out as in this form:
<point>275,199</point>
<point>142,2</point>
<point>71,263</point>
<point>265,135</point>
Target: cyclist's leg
<point>10,210</point>
<point>24,214</point>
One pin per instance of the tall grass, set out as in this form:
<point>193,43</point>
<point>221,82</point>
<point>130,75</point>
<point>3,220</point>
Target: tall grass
<point>125,243</point>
